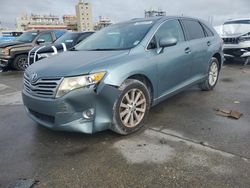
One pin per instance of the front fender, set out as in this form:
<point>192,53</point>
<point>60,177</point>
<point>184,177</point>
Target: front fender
<point>118,75</point>
<point>18,51</point>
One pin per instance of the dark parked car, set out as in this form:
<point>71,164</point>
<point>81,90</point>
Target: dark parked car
<point>64,43</point>
<point>14,54</point>
<point>112,78</point>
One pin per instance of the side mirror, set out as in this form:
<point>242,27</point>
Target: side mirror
<point>167,42</point>
<point>40,41</point>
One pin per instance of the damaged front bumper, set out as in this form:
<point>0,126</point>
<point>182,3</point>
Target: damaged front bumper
<point>68,113</point>
<point>237,50</point>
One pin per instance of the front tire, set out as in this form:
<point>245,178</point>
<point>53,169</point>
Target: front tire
<point>212,77</point>
<point>20,63</point>
<point>131,108</point>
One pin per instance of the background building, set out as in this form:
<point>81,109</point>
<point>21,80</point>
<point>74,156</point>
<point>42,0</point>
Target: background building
<point>34,21</point>
<point>103,22</point>
<point>22,22</point>
<point>84,16</point>
<point>152,13</point>
<point>70,21</point>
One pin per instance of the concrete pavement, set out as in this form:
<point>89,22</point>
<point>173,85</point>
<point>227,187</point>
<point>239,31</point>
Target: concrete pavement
<point>183,144</point>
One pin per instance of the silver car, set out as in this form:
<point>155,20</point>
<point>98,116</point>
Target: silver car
<point>236,37</point>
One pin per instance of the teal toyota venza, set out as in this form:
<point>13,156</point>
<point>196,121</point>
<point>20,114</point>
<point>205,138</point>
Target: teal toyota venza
<point>110,80</point>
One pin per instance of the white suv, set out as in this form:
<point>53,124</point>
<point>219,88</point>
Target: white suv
<point>236,37</point>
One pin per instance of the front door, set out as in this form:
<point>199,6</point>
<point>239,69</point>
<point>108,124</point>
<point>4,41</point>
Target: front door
<point>174,65</point>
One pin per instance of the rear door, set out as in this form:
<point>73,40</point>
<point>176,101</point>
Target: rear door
<point>198,46</point>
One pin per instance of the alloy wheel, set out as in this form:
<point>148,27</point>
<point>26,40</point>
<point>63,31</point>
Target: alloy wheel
<point>22,63</point>
<point>213,74</point>
<point>132,108</point>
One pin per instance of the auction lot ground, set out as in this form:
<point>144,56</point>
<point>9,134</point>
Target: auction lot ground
<point>184,143</point>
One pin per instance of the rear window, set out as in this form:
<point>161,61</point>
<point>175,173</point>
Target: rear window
<point>59,33</point>
<point>208,31</point>
<point>194,29</point>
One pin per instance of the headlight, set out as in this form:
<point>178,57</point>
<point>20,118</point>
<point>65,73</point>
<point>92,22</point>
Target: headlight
<point>244,38</point>
<point>6,51</point>
<point>72,83</point>
<point>44,55</point>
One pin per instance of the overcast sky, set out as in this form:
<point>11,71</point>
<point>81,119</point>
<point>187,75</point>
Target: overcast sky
<point>120,10</point>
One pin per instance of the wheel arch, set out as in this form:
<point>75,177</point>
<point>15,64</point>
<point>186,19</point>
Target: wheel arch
<point>144,79</point>
<point>21,53</point>
<point>219,58</point>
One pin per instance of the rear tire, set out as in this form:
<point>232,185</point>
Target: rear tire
<point>212,76</point>
<point>131,107</point>
<point>20,63</point>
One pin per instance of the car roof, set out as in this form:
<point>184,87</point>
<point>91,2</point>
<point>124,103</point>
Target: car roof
<point>238,19</point>
<point>160,18</point>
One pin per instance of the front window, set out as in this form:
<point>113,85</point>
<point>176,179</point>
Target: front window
<point>169,29</point>
<point>236,27</point>
<point>46,37</point>
<point>27,37</point>
<point>117,37</point>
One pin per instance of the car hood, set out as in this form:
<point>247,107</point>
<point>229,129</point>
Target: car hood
<point>235,30</point>
<point>233,35</point>
<point>10,43</point>
<point>73,63</point>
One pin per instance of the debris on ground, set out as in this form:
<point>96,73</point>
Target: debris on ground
<point>140,145</point>
<point>163,141</point>
<point>24,183</point>
<point>236,102</point>
<point>228,113</point>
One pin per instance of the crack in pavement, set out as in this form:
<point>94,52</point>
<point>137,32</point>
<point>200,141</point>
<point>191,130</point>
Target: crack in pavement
<point>199,143</point>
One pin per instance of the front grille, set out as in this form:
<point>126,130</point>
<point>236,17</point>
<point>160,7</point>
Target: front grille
<point>231,40</point>
<point>43,87</point>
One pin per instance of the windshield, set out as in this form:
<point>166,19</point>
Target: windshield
<point>236,27</point>
<point>27,37</point>
<point>67,38</point>
<point>117,37</point>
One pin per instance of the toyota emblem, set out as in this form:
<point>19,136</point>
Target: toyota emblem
<point>33,77</point>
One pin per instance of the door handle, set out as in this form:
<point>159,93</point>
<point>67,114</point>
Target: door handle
<point>187,50</point>
<point>209,43</point>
